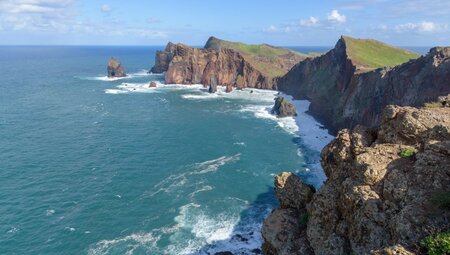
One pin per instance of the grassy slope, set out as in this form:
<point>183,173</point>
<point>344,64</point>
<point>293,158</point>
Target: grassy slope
<point>259,55</point>
<point>373,54</point>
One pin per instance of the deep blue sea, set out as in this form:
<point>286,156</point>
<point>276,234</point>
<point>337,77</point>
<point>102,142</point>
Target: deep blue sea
<point>96,166</point>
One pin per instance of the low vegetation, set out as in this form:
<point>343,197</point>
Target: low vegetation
<point>373,54</point>
<point>437,244</point>
<point>407,152</point>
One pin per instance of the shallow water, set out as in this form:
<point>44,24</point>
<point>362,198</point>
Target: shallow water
<point>90,165</point>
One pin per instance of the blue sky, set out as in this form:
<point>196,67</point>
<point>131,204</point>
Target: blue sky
<point>280,22</point>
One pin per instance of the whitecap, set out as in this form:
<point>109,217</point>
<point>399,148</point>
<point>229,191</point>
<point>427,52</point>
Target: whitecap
<point>116,91</point>
<point>126,244</point>
<point>49,212</point>
<point>264,112</point>
<point>202,189</point>
<point>214,164</point>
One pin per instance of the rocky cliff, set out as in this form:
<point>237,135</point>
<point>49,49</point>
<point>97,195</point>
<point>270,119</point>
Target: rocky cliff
<point>387,189</point>
<point>227,63</point>
<point>346,90</point>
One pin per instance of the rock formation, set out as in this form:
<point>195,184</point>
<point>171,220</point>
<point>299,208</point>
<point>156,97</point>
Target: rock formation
<point>381,195</point>
<point>212,84</point>
<point>343,93</point>
<point>283,108</point>
<point>115,68</point>
<point>152,84</point>
<point>229,88</point>
<point>188,65</point>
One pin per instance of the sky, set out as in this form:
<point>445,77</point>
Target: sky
<point>280,22</point>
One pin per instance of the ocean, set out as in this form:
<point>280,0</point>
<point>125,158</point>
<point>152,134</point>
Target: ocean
<point>90,165</point>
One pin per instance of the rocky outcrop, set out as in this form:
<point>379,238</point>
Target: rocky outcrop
<point>377,198</point>
<point>152,84</point>
<point>283,108</point>
<point>253,66</point>
<point>342,96</point>
<point>187,65</point>
<point>115,68</point>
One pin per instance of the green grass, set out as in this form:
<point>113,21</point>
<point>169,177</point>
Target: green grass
<point>373,54</point>
<point>263,50</point>
<point>437,244</point>
<point>407,152</point>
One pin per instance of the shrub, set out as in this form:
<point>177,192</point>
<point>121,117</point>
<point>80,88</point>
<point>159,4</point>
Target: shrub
<point>433,105</point>
<point>407,152</point>
<point>437,244</point>
<point>441,199</point>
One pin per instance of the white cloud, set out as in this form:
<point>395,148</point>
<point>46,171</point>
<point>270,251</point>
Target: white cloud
<point>336,17</point>
<point>106,8</point>
<point>423,27</point>
<point>271,29</point>
<point>312,21</point>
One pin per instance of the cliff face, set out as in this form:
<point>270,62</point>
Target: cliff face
<point>343,96</point>
<point>380,195</point>
<point>187,65</point>
<point>228,63</point>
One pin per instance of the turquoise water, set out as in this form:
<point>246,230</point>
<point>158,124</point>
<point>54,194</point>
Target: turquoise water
<point>91,166</point>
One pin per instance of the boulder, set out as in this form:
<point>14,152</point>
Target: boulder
<point>115,68</point>
<point>152,84</point>
<point>283,108</point>
<point>229,88</point>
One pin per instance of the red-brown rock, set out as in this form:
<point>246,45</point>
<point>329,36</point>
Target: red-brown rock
<point>229,88</point>
<point>152,84</point>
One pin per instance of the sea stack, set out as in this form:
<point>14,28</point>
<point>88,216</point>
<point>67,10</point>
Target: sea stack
<point>213,84</point>
<point>283,108</point>
<point>115,68</point>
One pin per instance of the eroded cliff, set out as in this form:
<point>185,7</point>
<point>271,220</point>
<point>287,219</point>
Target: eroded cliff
<point>344,91</point>
<point>383,194</point>
<point>227,63</point>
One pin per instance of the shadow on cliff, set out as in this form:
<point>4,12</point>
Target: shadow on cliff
<point>246,235</point>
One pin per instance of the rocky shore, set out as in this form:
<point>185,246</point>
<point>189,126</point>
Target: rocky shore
<point>387,190</point>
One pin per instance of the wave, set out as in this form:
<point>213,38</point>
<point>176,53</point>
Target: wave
<point>245,94</point>
<point>263,112</point>
<point>314,135</point>
<point>126,245</point>
<point>140,73</point>
<point>204,232</point>
<point>213,165</point>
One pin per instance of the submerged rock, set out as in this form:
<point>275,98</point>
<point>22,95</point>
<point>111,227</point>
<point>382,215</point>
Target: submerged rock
<point>115,68</point>
<point>283,108</point>
<point>377,199</point>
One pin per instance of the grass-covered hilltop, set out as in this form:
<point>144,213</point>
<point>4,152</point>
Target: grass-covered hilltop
<point>370,54</point>
<point>270,60</point>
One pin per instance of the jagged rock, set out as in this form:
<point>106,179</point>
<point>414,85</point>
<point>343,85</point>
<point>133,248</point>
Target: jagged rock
<point>283,108</point>
<point>115,68</point>
<point>374,201</point>
<point>283,234</point>
<point>291,191</point>
<point>212,84</point>
<point>152,84</point>
<point>229,88</point>
<point>343,96</point>
<point>444,100</point>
